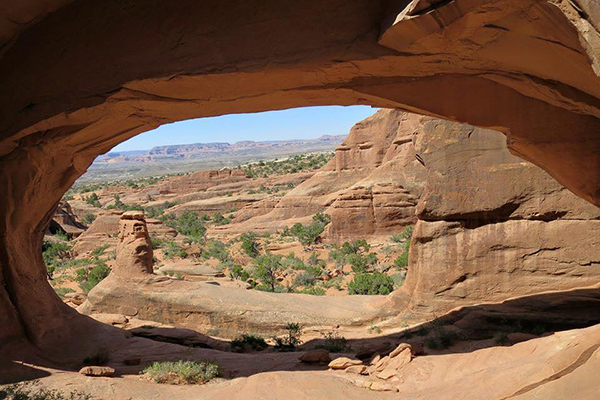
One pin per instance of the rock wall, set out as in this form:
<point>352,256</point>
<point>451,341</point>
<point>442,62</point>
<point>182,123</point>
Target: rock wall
<point>492,226</point>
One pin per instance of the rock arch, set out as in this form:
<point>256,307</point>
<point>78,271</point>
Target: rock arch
<point>79,76</point>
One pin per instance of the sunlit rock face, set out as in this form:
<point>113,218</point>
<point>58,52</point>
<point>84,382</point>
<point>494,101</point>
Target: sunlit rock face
<point>134,249</point>
<point>492,226</point>
<point>528,69</point>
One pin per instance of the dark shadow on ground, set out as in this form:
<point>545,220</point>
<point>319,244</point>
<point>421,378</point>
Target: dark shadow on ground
<point>463,330</point>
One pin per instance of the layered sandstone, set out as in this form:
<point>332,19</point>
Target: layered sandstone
<point>528,69</point>
<point>134,250</point>
<point>492,226</point>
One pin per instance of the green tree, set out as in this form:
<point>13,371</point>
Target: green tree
<point>371,283</point>
<point>268,267</point>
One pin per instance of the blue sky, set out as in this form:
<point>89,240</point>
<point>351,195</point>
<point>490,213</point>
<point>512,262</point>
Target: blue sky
<point>296,123</point>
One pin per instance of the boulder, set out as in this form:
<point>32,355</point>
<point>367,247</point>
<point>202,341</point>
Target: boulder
<point>317,356</point>
<point>97,371</point>
<point>343,363</point>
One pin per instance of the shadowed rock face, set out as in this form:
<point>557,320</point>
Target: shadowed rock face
<point>528,69</point>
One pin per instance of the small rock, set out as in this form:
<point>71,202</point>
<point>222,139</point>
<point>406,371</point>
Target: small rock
<point>97,371</point>
<point>401,347</point>
<point>76,298</point>
<point>137,215</point>
<point>320,356</point>
<point>356,369</point>
<point>343,363</point>
<point>381,386</point>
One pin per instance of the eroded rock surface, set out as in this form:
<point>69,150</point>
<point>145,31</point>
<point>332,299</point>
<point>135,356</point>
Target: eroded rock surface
<point>134,250</point>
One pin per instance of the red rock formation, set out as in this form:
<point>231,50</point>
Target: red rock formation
<point>528,69</point>
<point>134,251</point>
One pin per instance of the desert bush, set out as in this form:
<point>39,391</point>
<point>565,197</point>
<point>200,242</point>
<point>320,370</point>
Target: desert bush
<point>98,357</point>
<point>182,372</point>
<point>304,279</point>
<point>334,343</point>
<point>248,342</point>
<point>62,291</point>
<point>31,391</point>
<point>439,336</point>
<point>371,283</point>
<point>249,244</point>
<point>89,218</point>
<point>217,250</point>
<point>308,234</point>
<point>267,270</point>
<point>333,283</point>
<point>93,200</point>
<point>312,290</point>
<point>89,278</point>
<point>219,219</point>
<point>188,224</point>
<point>157,242</point>
<point>293,262</point>
<point>173,249</point>
<point>238,272</point>
<point>291,339</point>
<point>159,210</point>
<point>398,280</point>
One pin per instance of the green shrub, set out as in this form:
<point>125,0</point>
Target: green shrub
<point>361,263</point>
<point>182,372</point>
<point>308,234</point>
<point>249,244</point>
<point>98,357</point>
<point>219,219</point>
<point>439,336</point>
<point>267,270</point>
<point>238,272</point>
<point>334,343</point>
<point>89,218</point>
<point>217,250</point>
<point>157,242</point>
<point>93,200</point>
<point>304,279</point>
<point>291,339</point>
<point>402,260</point>
<point>371,283</point>
<point>62,291</point>
<point>398,280</point>
<point>248,342</point>
<point>313,291</point>
<point>31,391</point>
<point>188,224</point>
<point>173,249</point>
<point>89,278</point>
<point>293,262</point>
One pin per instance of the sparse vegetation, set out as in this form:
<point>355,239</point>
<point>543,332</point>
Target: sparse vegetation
<point>189,224</point>
<point>249,244</point>
<point>88,278</point>
<point>182,372</point>
<point>32,391</point>
<point>248,342</point>
<point>334,343</point>
<point>309,234</point>
<point>93,200</point>
<point>291,339</point>
<point>304,162</point>
<point>89,218</point>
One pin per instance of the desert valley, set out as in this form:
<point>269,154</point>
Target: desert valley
<point>445,247</point>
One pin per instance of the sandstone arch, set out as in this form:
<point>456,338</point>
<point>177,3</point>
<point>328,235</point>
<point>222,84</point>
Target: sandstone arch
<point>79,76</point>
